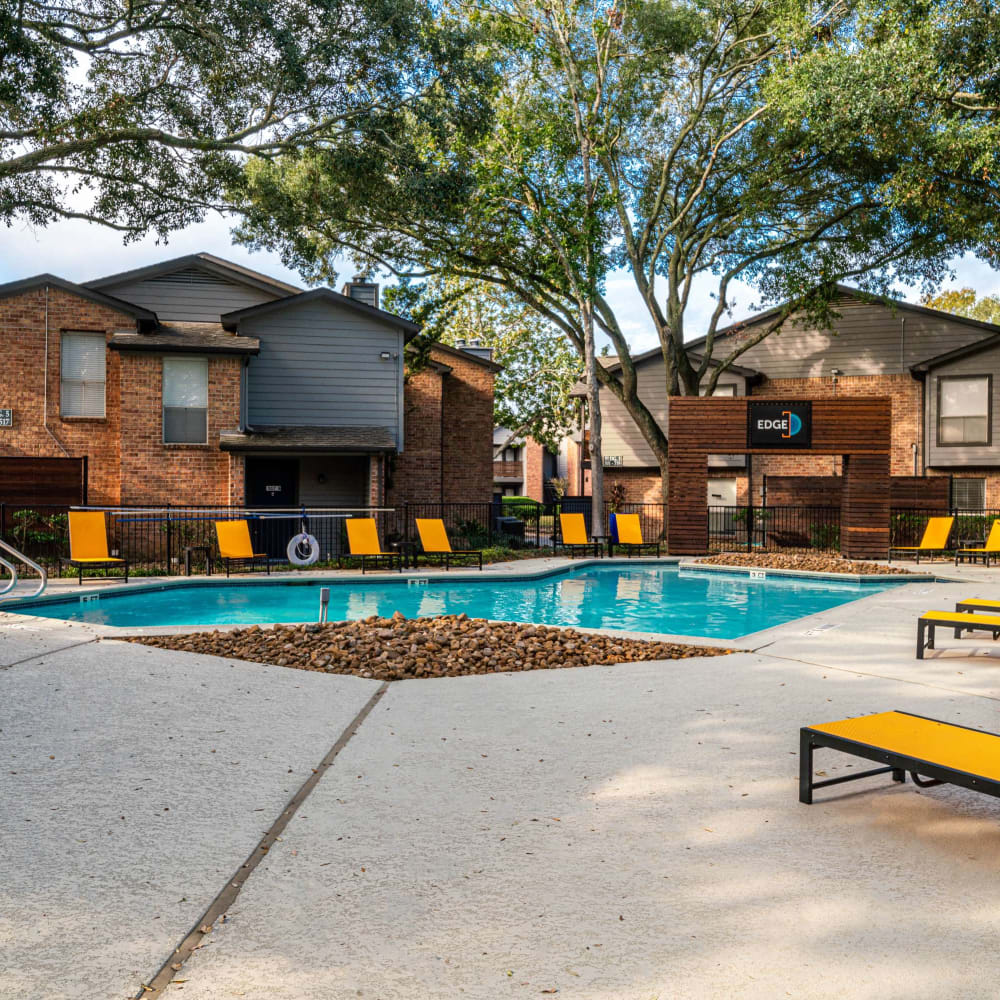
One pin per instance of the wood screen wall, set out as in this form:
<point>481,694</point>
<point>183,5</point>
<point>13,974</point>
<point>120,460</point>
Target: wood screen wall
<point>858,429</point>
<point>43,480</point>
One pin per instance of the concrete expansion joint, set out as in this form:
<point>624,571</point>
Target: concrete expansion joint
<point>48,652</point>
<point>229,893</point>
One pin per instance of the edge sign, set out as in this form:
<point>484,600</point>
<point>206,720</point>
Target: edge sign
<point>783,424</point>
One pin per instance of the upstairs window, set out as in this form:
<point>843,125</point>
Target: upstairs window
<point>511,455</point>
<point>726,389</point>
<point>968,494</point>
<point>964,409</point>
<point>185,400</point>
<point>83,372</point>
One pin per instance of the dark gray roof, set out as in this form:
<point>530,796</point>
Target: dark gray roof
<point>854,293</point>
<point>198,338</point>
<point>612,364</point>
<point>959,352</point>
<point>231,320</point>
<point>206,261</point>
<point>327,439</point>
<point>144,316</point>
<point>457,352</point>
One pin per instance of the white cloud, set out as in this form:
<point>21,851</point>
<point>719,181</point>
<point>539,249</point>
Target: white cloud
<point>80,251</point>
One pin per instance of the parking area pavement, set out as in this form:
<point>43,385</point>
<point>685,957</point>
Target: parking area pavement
<point>628,832</point>
<point>134,783</point>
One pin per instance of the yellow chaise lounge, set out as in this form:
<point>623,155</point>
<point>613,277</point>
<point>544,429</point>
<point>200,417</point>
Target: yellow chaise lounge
<point>962,619</point>
<point>88,544</point>
<point>630,534</point>
<point>235,545</point>
<point>574,535</point>
<point>934,541</point>
<point>434,541</point>
<point>362,542</point>
<point>934,752</point>
<point>991,548</point>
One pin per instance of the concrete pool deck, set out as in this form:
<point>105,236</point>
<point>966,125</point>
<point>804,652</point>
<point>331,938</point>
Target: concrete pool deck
<point>614,833</point>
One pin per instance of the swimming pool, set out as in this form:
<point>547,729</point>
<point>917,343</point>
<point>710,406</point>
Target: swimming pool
<point>641,599</point>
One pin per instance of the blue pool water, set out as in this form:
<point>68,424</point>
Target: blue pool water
<point>640,599</point>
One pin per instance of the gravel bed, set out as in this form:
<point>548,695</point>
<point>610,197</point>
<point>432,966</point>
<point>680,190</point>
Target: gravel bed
<point>397,648</point>
<point>817,562</point>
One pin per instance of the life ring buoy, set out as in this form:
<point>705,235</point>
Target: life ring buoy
<point>303,550</point>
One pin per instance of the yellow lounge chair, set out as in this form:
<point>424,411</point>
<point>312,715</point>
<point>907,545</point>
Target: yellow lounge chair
<point>434,542</point>
<point>362,541</point>
<point>960,621</point>
<point>945,754</point>
<point>235,545</point>
<point>88,544</point>
<point>574,534</point>
<point>934,542</point>
<point>991,548</point>
<point>630,534</point>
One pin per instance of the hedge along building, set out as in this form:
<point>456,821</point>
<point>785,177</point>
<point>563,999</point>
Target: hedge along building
<point>940,372</point>
<point>200,381</point>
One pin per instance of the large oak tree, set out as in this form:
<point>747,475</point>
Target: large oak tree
<point>136,113</point>
<point>779,144</point>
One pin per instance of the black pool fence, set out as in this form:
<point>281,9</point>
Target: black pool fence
<point>166,540</point>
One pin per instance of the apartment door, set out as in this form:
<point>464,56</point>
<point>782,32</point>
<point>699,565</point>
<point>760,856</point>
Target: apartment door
<point>272,482</point>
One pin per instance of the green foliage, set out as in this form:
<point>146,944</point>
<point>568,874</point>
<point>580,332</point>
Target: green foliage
<point>616,497</point>
<point>473,534</point>
<point>824,536</point>
<point>531,395</point>
<point>963,302</point>
<point>782,145</point>
<point>523,507</point>
<point>138,114</point>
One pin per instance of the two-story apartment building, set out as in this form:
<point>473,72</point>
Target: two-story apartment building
<point>198,381</point>
<point>941,371</point>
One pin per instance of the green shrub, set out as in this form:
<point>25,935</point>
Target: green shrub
<point>825,536</point>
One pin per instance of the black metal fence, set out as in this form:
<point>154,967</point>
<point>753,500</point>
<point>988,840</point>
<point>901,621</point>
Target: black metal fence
<point>773,529</point>
<point>161,540</point>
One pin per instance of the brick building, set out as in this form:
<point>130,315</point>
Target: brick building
<point>199,381</point>
<point>524,467</point>
<point>941,372</point>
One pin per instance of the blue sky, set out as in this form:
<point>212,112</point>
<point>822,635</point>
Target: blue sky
<point>79,251</point>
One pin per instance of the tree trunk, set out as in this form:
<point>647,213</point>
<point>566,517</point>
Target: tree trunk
<point>594,405</point>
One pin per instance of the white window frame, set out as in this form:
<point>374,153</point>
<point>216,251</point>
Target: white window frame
<point>166,361</point>
<point>76,379</point>
<point>979,443</point>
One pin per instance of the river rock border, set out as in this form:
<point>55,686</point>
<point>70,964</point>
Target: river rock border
<point>398,648</point>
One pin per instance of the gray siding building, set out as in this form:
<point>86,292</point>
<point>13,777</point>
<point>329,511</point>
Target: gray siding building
<point>941,372</point>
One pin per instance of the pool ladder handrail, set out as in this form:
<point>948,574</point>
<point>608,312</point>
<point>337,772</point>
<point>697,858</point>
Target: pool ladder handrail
<point>12,569</point>
<point>28,561</point>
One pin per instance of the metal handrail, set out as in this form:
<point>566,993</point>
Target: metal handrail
<point>7,547</point>
<point>13,576</point>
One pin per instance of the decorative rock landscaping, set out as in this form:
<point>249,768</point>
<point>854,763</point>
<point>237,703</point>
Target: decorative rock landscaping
<point>398,648</point>
<point>817,562</point>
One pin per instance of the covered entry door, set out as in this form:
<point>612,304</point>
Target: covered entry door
<point>272,482</point>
